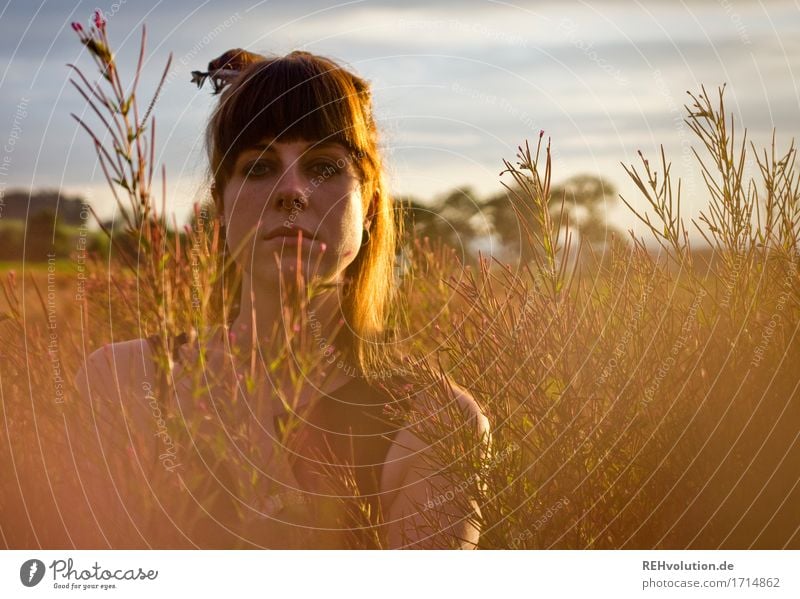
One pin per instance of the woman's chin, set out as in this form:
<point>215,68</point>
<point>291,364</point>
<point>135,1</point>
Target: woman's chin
<point>286,267</point>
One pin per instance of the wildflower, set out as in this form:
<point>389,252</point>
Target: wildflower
<point>95,42</point>
<point>99,20</point>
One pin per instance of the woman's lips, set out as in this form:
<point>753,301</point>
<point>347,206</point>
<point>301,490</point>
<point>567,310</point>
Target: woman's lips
<point>284,231</point>
<point>288,238</point>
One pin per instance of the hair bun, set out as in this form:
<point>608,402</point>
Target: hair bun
<point>226,68</point>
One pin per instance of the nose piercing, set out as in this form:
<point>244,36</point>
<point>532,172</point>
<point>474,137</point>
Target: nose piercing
<point>294,203</point>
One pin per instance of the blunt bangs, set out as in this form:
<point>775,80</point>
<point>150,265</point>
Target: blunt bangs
<point>287,99</point>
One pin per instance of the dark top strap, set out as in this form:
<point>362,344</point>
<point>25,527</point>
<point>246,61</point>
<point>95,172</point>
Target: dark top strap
<point>355,424</point>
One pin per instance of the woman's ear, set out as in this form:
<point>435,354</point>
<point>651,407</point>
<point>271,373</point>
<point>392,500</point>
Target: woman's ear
<point>369,216</point>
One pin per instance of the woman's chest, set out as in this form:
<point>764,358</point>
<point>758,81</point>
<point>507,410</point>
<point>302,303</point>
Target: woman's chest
<point>320,467</point>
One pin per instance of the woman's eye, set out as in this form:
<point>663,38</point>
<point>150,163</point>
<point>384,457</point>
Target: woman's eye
<point>256,169</point>
<point>325,168</point>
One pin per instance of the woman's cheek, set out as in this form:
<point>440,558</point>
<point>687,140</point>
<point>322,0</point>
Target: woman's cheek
<point>351,245</point>
<point>241,228</point>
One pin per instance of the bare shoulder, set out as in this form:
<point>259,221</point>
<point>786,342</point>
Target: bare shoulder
<point>115,384</point>
<point>111,427</point>
<point>470,408</point>
<point>116,367</point>
<point>413,476</point>
<point>457,407</point>
<point>454,405</point>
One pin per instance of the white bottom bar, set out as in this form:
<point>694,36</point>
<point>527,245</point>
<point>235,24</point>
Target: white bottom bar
<point>401,574</point>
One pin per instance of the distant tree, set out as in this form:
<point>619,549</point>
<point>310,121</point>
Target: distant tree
<point>23,204</point>
<point>584,197</point>
<point>44,236</point>
<point>454,217</point>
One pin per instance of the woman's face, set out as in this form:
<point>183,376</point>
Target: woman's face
<point>279,188</point>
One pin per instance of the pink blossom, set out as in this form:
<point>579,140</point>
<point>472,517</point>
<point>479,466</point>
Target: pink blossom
<point>77,26</point>
<point>99,20</point>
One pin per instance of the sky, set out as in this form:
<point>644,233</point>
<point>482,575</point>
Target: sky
<point>457,86</point>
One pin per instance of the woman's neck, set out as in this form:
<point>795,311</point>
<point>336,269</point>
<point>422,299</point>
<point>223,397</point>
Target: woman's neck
<point>272,318</point>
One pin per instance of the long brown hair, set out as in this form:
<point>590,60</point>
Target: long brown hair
<point>306,96</point>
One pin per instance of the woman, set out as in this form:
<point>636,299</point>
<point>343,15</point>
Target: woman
<point>297,183</point>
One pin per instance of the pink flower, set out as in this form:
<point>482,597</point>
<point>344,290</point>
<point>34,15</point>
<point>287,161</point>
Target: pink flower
<point>99,20</point>
<point>77,26</point>
<point>323,246</point>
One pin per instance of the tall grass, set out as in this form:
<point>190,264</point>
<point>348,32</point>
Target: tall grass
<point>637,399</point>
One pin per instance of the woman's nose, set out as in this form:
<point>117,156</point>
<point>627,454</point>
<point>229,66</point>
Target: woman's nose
<point>291,192</point>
